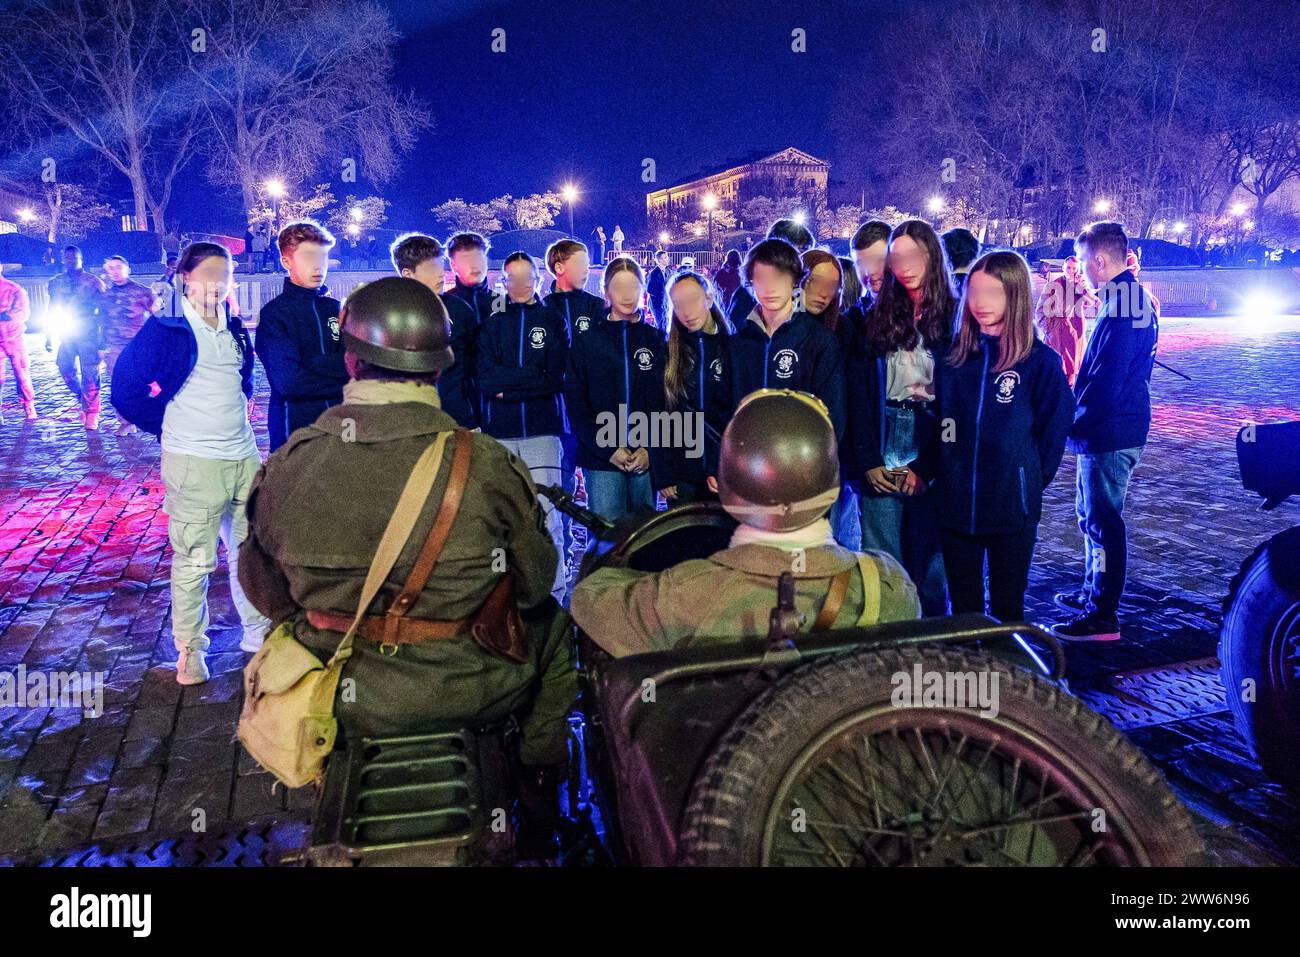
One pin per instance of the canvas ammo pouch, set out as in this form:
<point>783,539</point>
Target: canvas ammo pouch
<point>287,723</point>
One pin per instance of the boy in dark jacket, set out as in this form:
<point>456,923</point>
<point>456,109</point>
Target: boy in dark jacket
<point>469,303</point>
<point>778,347</point>
<point>420,257</point>
<point>743,302</point>
<point>1112,418</point>
<point>567,261</point>
<point>298,335</point>
<point>521,357</point>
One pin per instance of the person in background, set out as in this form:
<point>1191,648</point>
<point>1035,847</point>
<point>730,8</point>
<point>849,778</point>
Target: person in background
<point>778,474</point>
<point>1112,417</point>
<point>695,384</point>
<point>743,302</point>
<point>890,384</point>
<point>77,310</point>
<point>600,235</point>
<point>728,279</point>
<point>1064,309</point>
<point>1010,409</point>
<point>470,301</point>
<point>188,380</point>
<point>618,240</point>
<point>568,262</point>
<point>657,287</point>
<point>870,245</point>
<point>420,257</point>
<point>822,296</point>
<point>962,248</point>
<point>298,335</point>
<point>167,298</point>
<point>127,304</point>
<point>521,356</point>
<point>15,309</point>
<point>616,367</point>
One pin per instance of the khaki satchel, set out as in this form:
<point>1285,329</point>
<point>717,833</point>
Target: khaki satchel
<point>288,722</point>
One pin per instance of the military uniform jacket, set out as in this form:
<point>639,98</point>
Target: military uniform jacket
<point>726,598</point>
<point>316,513</point>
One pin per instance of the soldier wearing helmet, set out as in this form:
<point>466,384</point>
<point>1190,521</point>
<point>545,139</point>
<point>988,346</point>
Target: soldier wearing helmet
<point>778,476</point>
<point>320,505</point>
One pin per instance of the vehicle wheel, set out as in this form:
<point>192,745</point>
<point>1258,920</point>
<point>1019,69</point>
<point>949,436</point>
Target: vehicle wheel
<point>1259,655</point>
<point>824,770</point>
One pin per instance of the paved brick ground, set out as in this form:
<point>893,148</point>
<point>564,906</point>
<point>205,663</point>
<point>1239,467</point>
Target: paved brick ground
<point>83,586</point>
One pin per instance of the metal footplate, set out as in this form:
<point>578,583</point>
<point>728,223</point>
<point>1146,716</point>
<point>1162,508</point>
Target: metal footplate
<point>414,800</point>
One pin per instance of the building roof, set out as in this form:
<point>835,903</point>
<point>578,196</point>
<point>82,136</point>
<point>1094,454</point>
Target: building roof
<point>748,160</point>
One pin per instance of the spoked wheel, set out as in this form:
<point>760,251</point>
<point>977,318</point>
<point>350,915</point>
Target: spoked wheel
<point>825,770</point>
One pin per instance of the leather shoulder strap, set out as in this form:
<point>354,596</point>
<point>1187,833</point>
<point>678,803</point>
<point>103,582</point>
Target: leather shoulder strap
<point>834,599</point>
<point>870,590</point>
<point>438,532</point>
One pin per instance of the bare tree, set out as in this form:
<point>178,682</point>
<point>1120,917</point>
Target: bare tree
<point>70,212</point>
<point>296,88</point>
<point>104,72</point>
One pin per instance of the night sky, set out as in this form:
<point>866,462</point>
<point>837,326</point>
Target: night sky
<point>586,90</point>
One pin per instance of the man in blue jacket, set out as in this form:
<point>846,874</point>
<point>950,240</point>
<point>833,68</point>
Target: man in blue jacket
<point>1112,418</point>
<point>298,335</point>
<point>522,350</point>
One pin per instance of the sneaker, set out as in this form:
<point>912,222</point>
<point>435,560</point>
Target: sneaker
<point>254,635</point>
<point>91,421</point>
<point>1075,601</point>
<point>192,667</point>
<point>1087,628</point>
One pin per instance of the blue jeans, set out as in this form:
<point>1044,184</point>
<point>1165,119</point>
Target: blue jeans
<point>614,494</point>
<point>1101,487</point>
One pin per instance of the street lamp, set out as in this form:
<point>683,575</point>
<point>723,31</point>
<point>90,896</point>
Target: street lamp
<point>570,193</point>
<point>1238,208</point>
<point>800,218</point>
<point>275,189</point>
<point>1101,206</point>
<point>663,238</point>
<point>710,201</point>
<point>935,205</point>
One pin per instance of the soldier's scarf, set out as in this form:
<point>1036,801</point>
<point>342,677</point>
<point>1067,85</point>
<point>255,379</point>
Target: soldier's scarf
<point>815,535</point>
<point>386,392</point>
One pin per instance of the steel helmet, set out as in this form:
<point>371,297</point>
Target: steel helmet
<point>779,468</point>
<point>397,324</point>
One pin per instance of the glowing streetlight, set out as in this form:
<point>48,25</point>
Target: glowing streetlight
<point>935,205</point>
<point>275,189</point>
<point>663,237</point>
<point>1180,228</point>
<point>710,201</point>
<point>800,218</point>
<point>1101,206</point>
<point>26,215</point>
<point>353,230</point>
<point>570,194</point>
<point>1238,208</point>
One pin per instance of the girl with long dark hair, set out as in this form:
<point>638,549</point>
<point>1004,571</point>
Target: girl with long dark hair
<point>1006,396</point>
<point>695,384</point>
<point>891,393</point>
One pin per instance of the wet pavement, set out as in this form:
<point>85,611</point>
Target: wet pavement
<point>84,588</point>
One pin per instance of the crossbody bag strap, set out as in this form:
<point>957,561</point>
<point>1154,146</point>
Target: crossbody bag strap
<point>870,590</point>
<point>405,514</point>
<point>437,538</point>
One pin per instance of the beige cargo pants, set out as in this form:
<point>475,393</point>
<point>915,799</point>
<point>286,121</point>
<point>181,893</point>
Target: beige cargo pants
<point>205,502</point>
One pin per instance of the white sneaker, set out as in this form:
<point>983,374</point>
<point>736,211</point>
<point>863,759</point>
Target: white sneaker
<point>254,635</point>
<point>192,667</point>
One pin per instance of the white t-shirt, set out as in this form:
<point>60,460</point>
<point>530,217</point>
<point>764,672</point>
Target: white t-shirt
<point>910,374</point>
<point>208,417</point>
